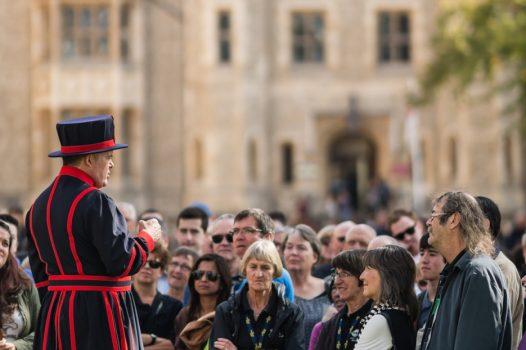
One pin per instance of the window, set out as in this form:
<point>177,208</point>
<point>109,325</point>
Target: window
<point>85,31</point>
<point>125,32</point>
<point>307,37</point>
<point>287,161</point>
<point>224,40</point>
<point>394,37</point>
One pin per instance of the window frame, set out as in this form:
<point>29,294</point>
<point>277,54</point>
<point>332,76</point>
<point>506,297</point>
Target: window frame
<point>394,39</point>
<point>314,49</point>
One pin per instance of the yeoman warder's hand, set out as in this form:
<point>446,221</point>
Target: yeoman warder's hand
<point>152,227</point>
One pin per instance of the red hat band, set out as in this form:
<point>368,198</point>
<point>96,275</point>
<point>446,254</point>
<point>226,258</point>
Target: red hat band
<point>87,148</point>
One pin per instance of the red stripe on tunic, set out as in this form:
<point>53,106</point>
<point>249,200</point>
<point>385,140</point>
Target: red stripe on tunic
<point>144,255</point>
<point>36,244</point>
<point>111,321</point>
<point>42,284</point>
<point>148,238</point>
<point>88,278</point>
<point>48,222</point>
<point>88,289</point>
<point>57,320</point>
<point>77,173</point>
<point>71,315</point>
<point>124,343</point>
<point>71,237</point>
<point>132,260</point>
<point>46,326</point>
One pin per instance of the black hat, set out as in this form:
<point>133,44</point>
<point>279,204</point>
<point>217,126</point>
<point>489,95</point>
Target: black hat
<point>86,135</point>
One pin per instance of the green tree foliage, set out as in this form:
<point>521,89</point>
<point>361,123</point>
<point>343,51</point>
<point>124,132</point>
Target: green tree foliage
<point>479,40</point>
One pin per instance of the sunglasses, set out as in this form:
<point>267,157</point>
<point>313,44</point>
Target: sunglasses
<point>219,238</point>
<point>154,264</point>
<point>408,231</point>
<point>210,275</point>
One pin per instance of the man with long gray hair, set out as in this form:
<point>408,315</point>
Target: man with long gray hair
<point>471,309</point>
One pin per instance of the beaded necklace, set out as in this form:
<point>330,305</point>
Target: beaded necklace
<point>375,310</point>
<point>349,334</point>
<point>257,340</point>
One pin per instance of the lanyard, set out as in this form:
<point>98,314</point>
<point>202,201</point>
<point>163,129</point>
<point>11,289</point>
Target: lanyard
<point>257,340</point>
<point>442,287</point>
<point>349,334</point>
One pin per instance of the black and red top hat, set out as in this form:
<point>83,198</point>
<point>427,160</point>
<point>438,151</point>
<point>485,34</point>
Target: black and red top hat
<point>86,135</point>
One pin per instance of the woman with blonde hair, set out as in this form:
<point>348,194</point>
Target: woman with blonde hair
<point>259,316</point>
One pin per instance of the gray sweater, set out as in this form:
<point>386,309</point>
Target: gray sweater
<point>473,307</point>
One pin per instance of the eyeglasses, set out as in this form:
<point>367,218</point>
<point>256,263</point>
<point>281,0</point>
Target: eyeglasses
<point>408,231</point>
<point>220,237</point>
<point>210,275</point>
<point>185,267</point>
<point>245,230</point>
<point>154,264</point>
<point>342,274</point>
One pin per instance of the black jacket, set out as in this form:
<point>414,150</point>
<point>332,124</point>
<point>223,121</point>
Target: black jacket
<point>328,333</point>
<point>287,330</point>
<point>402,329</point>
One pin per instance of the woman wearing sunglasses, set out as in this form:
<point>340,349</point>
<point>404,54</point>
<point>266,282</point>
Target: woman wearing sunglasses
<point>388,279</point>
<point>259,316</point>
<point>156,311</point>
<point>209,285</point>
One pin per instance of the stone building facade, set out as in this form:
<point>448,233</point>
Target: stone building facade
<point>242,103</point>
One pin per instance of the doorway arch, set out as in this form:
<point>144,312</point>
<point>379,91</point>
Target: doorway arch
<point>352,165</point>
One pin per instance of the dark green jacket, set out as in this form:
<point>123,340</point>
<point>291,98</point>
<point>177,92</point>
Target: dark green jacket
<point>474,310</point>
<point>29,305</point>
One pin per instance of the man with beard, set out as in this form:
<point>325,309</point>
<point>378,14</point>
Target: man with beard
<point>471,309</point>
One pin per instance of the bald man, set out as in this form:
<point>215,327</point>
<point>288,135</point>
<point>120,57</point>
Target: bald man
<point>337,243</point>
<point>382,241</point>
<point>359,237</point>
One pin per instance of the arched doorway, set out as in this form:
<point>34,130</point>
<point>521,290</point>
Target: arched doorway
<point>352,166</point>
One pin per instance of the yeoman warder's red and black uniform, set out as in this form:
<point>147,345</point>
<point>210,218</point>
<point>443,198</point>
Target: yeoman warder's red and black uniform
<point>82,258</point>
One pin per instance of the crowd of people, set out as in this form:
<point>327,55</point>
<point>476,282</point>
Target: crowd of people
<point>228,283</point>
<point>84,272</point>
